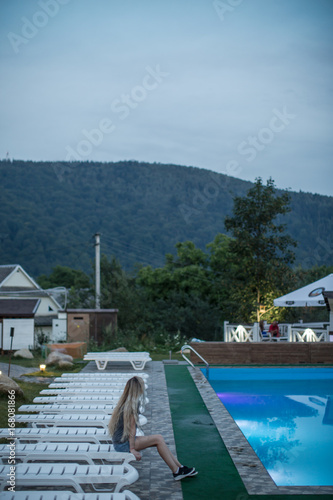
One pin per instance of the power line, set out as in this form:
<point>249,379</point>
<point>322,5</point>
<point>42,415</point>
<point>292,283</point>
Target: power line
<point>141,252</point>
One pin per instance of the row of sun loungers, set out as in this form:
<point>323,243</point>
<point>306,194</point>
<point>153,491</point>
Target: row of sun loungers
<point>67,444</point>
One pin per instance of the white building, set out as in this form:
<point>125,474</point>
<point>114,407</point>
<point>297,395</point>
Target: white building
<point>15,283</point>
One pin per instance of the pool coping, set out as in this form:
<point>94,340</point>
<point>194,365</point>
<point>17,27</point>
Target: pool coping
<point>255,477</point>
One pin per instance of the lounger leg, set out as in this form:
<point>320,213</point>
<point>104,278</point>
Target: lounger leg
<point>101,364</point>
<point>138,365</point>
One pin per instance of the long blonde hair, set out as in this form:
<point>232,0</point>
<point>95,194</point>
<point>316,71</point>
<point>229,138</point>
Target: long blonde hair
<point>128,406</point>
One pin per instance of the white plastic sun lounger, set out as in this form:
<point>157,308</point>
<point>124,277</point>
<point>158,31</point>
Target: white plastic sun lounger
<point>137,359</point>
<point>70,408</point>
<point>79,399</point>
<point>84,390</point>
<point>65,452</point>
<point>66,495</point>
<point>93,435</point>
<point>104,409</point>
<point>104,375</point>
<point>69,420</point>
<point>69,384</point>
<point>58,434</point>
<point>53,475</point>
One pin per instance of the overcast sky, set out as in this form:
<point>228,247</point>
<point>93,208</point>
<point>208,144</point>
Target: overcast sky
<point>242,87</point>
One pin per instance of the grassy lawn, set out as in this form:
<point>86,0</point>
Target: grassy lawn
<point>28,363</point>
<point>166,355</point>
<point>30,390</point>
<point>39,360</point>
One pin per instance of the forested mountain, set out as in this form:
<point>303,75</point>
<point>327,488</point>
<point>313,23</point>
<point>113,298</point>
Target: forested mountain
<point>49,213</point>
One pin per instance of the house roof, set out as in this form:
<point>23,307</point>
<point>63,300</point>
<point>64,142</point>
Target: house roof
<point>21,291</point>
<point>90,311</point>
<point>18,308</point>
<point>5,271</point>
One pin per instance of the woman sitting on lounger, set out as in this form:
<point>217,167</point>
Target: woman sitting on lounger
<point>124,422</point>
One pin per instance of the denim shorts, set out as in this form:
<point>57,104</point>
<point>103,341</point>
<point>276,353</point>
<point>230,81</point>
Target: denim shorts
<point>123,447</point>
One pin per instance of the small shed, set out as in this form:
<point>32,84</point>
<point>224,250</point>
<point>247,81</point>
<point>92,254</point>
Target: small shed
<point>18,314</point>
<point>88,324</point>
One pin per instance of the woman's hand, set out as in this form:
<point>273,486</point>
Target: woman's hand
<point>137,454</point>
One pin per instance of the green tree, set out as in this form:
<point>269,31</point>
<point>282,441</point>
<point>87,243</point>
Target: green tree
<point>183,295</point>
<point>64,276</point>
<point>76,282</point>
<point>119,291</point>
<point>261,251</point>
<point>186,272</point>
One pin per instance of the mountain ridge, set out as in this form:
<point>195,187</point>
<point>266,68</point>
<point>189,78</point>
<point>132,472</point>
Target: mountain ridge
<point>51,210</point>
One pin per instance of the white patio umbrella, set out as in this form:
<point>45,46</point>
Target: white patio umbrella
<point>308,296</point>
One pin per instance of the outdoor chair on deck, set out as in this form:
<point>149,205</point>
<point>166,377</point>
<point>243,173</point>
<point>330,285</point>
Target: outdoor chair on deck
<point>265,338</point>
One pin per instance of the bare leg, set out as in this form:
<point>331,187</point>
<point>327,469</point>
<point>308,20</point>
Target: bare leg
<point>143,442</point>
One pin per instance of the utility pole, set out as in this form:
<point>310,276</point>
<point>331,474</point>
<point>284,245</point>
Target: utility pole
<point>97,270</point>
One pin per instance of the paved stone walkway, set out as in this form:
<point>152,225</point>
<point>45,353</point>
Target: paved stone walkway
<point>15,370</point>
<point>156,481</point>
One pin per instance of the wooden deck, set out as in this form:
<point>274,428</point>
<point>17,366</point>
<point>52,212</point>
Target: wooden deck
<point>259,353</point>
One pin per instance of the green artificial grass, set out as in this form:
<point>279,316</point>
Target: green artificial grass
<point>198,442</point>
<point>199,445</point>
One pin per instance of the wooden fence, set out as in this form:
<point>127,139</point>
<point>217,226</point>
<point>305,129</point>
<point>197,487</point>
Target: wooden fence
<point>259,353</point>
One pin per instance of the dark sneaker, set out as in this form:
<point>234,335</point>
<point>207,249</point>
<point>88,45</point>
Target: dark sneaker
<point>184,472</point>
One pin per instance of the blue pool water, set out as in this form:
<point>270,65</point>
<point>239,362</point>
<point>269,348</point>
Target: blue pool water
<point>286,414</point>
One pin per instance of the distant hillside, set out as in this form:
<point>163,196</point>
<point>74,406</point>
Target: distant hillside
<point>50,212</point>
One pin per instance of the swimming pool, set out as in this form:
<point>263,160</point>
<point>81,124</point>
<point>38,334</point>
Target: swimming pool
<point>286,414</point>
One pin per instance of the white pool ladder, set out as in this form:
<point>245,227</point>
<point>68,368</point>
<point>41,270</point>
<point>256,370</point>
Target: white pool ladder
<point>186,346</point>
